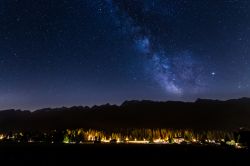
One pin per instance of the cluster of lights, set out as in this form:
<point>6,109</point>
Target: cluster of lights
<point>95,136</point>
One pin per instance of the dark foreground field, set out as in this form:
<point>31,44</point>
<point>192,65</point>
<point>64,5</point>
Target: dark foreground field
<point>112,154</point>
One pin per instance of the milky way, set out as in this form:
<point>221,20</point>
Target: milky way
<point>176,74</point>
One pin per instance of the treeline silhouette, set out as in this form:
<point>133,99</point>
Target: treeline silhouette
<point>123,135</point>
<point>199,115</point>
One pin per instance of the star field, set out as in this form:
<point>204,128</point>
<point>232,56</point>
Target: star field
<point>86,52</point>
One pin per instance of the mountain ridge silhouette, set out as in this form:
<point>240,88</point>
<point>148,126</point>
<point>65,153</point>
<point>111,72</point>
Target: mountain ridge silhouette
<point>202,114</point>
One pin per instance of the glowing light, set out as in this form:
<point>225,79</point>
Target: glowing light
<point>158,141</point>
<point>138,142</point>
<point>90,138</point>
<point>30,141</point>
<point>105,141</point>
<point>231,143</point>
<point>179,140</point>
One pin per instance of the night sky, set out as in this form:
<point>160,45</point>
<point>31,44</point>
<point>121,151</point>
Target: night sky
<point>84,52</point>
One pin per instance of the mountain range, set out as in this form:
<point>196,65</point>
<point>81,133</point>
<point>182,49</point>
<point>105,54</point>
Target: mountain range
<point>203,114</point>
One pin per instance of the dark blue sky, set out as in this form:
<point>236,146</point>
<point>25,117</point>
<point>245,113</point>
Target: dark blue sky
<point>85,52</point>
